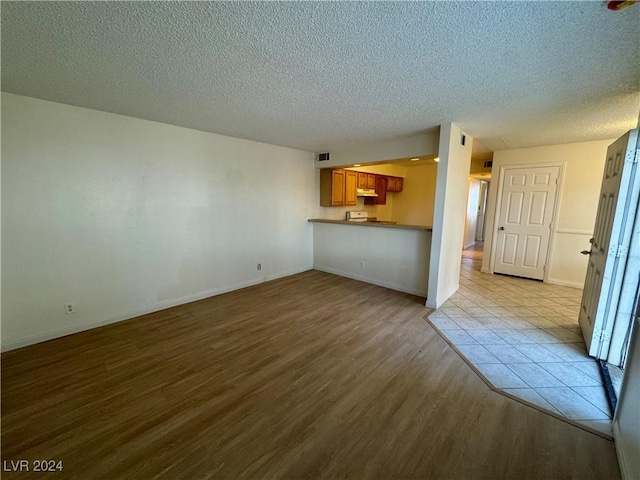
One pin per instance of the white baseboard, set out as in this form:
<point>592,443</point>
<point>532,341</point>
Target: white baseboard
<point>565,283</point>
<point>443,298</point>
<point>63,332</point>
<point>374,281</point>
<point>625,470</point>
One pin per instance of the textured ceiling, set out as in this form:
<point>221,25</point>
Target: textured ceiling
<point>323,75</point>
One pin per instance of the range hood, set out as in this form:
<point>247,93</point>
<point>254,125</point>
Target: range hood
<point>366,192</point>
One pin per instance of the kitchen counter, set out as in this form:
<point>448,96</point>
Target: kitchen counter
<point>373,224</point>
<point>392,256</point>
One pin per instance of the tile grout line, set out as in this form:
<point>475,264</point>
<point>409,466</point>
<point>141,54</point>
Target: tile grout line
<point>554,332</point>
<point>513,397</point>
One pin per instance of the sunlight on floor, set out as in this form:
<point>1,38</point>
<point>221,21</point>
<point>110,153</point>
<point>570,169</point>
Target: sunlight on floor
<point>474,251</point>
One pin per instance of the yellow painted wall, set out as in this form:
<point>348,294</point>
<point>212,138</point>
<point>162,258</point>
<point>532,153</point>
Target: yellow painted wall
<point>414,205</point>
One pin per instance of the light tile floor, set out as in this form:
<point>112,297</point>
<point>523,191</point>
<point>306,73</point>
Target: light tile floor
<point>523,337</point>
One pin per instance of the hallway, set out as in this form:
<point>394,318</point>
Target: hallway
<point>474,252</point>
<point>522,337</point>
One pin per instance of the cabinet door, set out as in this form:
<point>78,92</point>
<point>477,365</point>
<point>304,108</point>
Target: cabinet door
<point>381,190</point>
<point>337,188</point>
<point>391,184</point>
<point>394,184</point>
<point>351,181</point>
<point>362,180</point>
<point>371,180</point>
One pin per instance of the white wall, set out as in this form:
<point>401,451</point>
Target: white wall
<point>471,220</point>
<point>626,422</point>
<point>394,258</point>
<point>123,216</point>
<point>583,166</point>
<point>449,216</point>
<point>421,144</point>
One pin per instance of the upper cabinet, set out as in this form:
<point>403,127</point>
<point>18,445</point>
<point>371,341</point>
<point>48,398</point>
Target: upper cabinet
<point>395,184</point>
<point>337,187</point>
<point>381,190</point>
<point>362,180</point>
<point>371,180</point>
<point>350,187</point>
<point>366,180</point>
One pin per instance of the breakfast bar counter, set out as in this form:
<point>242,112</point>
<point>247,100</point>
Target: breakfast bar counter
<point>373,224</point>
<point>390,255</point>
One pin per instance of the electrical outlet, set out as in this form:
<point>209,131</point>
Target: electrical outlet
<point>362,264</point>
<point>259,266</point>
<point>69,308</point>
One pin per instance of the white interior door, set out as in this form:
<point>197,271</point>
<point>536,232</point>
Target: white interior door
<point>524,224</point>
<point>609,254</point>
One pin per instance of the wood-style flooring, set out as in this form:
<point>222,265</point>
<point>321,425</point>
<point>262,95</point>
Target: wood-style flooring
<point>474,252</point>
<point>309,376</point>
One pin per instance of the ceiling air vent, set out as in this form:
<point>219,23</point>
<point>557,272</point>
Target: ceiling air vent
<point>488,164</point>
<point>323,157</point>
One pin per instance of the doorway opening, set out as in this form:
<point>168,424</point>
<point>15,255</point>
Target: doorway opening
<point>473,241</point>
<point>477,197</point>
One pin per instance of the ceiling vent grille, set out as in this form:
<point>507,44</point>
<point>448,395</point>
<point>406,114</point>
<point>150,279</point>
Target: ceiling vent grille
<point>323,157</point>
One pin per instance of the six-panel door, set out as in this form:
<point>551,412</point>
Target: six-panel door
<point>524,223</point>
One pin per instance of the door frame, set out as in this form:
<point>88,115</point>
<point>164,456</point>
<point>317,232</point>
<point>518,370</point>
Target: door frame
<point>482,214</point>
<point>554,220</point>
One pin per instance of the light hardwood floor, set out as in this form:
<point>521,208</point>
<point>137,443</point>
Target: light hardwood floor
<point>310,376</point>
<point>474,252</point>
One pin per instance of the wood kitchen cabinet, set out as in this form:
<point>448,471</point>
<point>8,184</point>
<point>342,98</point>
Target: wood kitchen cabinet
<point>366,180</point>
<point>371,181</point>
<point>395,184</point>
<point>350,187</point>
<point>337,187</point>
<point>381,190</point>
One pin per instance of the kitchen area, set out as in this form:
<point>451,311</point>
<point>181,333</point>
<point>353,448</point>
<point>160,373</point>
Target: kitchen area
<point>375,223</point>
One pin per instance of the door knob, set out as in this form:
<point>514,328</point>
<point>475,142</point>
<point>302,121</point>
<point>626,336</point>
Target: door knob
<point>501,228</point>
<point>586,252</point>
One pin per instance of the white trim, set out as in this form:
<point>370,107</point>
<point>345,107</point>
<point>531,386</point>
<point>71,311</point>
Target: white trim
<point>374,281</point>
<point>554,221</point>
<point>556,208</point>
<point>625,470</point>
<point>565,283</point>
<point>573,231</point>
<point>438,303</point>
<point>496,220</point>
<point>63,332</point>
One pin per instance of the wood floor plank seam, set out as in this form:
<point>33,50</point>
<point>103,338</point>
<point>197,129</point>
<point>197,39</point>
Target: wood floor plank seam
<point>309,376</point>
<point>517,399</point>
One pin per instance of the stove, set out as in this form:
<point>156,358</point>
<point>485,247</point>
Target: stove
<point>357,216</point>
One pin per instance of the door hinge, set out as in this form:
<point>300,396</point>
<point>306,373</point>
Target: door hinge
<point>636,157</point>
<point>618,250</point>
<point>601,336</point>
